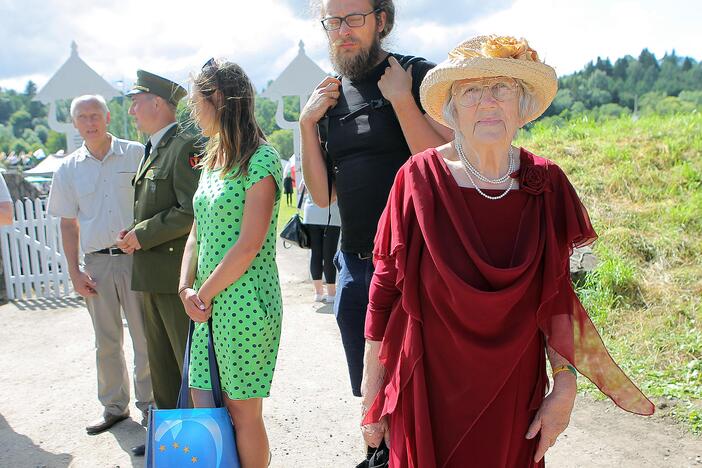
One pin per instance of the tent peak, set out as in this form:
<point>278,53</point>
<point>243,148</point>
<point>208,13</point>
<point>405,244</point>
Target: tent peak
<point>74,78</point>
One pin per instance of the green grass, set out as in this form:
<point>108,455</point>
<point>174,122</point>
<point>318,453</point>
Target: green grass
<point>286,212</point>
<point>642,184</point>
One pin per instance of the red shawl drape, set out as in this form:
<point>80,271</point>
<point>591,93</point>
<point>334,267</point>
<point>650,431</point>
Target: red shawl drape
<point>462,331</point>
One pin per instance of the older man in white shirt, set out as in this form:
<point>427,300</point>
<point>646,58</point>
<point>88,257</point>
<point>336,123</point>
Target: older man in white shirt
<point>92,193</point>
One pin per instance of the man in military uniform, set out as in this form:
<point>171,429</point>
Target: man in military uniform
<point>163,215</point>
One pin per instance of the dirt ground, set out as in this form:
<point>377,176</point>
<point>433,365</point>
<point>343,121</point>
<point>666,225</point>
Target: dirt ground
<point>49,395</point>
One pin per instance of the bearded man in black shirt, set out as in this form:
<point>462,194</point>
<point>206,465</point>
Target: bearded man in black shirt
<point>358,129</point>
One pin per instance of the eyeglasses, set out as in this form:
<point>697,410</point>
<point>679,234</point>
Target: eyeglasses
<point>470,94</point>
<point>354,20</point>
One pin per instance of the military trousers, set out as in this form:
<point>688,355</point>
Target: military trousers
<point>112,275</point>
<point>166,334</point>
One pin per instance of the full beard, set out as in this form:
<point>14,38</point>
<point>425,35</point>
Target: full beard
<point>355,67</point>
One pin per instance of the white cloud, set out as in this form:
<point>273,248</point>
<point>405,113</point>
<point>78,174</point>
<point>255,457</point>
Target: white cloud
<point>118,39</point>
<point>176,38</point>
<point>570,34</point>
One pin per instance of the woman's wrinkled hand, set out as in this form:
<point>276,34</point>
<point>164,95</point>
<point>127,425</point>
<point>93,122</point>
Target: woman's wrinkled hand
<point>374,433</point>
<point>196,309</point>
<point>553,416</point>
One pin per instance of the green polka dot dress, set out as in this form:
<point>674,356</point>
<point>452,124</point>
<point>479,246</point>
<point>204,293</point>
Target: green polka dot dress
<point>247,315</point>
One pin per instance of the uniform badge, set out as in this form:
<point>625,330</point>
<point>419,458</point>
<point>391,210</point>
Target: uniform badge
<point>194,159</point>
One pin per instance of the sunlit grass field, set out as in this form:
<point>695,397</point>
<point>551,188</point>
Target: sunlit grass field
<point>642,184</point>
<point>286,212</point>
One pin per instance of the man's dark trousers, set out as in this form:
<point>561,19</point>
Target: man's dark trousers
<point>353,283</point>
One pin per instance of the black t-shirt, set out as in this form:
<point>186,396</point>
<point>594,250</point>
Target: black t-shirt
<point>366,151</point>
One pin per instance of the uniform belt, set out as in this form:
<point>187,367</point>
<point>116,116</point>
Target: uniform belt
<point>111,251</point>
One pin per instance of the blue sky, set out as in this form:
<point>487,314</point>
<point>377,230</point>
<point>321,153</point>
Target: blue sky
<point>174,38</point>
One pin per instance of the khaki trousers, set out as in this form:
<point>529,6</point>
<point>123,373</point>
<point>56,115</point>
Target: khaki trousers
<point>113,275</point>
<point>166,334</point>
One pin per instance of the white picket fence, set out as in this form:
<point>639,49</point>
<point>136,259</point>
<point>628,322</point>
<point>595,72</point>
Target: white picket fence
<point>33,260</point>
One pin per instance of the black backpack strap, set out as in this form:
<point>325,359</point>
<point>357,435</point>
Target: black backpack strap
<point>323,129</point>
<point>406,60</point>
<point>374,104</point>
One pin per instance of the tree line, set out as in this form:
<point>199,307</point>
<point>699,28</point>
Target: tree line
<point>631,85</point>
<point>646,84</point>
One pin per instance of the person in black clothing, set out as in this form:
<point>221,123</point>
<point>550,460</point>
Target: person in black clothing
<point>288,189</point>
<point>323,227</point>
<point>370,121</point>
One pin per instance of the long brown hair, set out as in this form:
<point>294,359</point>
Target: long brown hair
<point>226,86</point>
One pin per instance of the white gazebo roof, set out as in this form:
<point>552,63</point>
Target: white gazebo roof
<point>75,78</point>
<point>296,78</point>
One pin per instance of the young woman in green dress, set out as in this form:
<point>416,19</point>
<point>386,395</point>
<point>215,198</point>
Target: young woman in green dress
<point>229,271</point>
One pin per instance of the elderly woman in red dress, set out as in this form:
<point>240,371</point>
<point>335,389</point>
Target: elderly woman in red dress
<point>472,292</point>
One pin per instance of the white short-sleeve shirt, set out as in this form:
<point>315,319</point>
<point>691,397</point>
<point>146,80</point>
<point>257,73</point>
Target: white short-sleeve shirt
<point>98,193</point>
<point>313,214</point>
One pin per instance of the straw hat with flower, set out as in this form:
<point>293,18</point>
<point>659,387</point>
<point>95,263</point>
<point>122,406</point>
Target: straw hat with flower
<point>486,57</point>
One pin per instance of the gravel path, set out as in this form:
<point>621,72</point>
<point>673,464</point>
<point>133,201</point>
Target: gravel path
<point>49,396</point>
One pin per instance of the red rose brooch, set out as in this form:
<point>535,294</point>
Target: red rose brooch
<point>533,179</point>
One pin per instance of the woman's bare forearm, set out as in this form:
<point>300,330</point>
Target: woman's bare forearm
<point>373,373</point>
<point>188,266</point>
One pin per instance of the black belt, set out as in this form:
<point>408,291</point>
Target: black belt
<point>361,255</point>
<point>112,251</point>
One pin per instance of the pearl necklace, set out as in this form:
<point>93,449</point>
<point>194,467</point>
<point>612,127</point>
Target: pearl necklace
<point>467,165</point>
<point>468,168</point>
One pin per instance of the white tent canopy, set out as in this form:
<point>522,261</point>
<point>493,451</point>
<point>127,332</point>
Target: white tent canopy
<point>298,79</point>
<point>48,166</point>
<point>75,78</point>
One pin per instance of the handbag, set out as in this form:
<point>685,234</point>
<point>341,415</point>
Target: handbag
<point>376,458</point>
<point>381,457</point>
<point>185,436</point>
<point>294,231</point>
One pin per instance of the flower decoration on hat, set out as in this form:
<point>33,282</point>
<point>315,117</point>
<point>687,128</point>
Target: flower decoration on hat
<point>496,47</point>
<point>509,47</point>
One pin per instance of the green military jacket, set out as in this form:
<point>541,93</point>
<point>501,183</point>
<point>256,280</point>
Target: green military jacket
<point>163,211</point>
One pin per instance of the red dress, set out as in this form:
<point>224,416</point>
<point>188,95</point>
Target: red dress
<point>465,294</point>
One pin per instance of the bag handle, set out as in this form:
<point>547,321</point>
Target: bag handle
<point>301,198</point>
<point>183,400</point>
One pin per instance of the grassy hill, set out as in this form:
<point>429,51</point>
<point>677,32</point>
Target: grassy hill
<point>642,184</point>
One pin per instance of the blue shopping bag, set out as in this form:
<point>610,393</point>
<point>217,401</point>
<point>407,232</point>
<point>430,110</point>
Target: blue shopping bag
<point>192,437</point>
